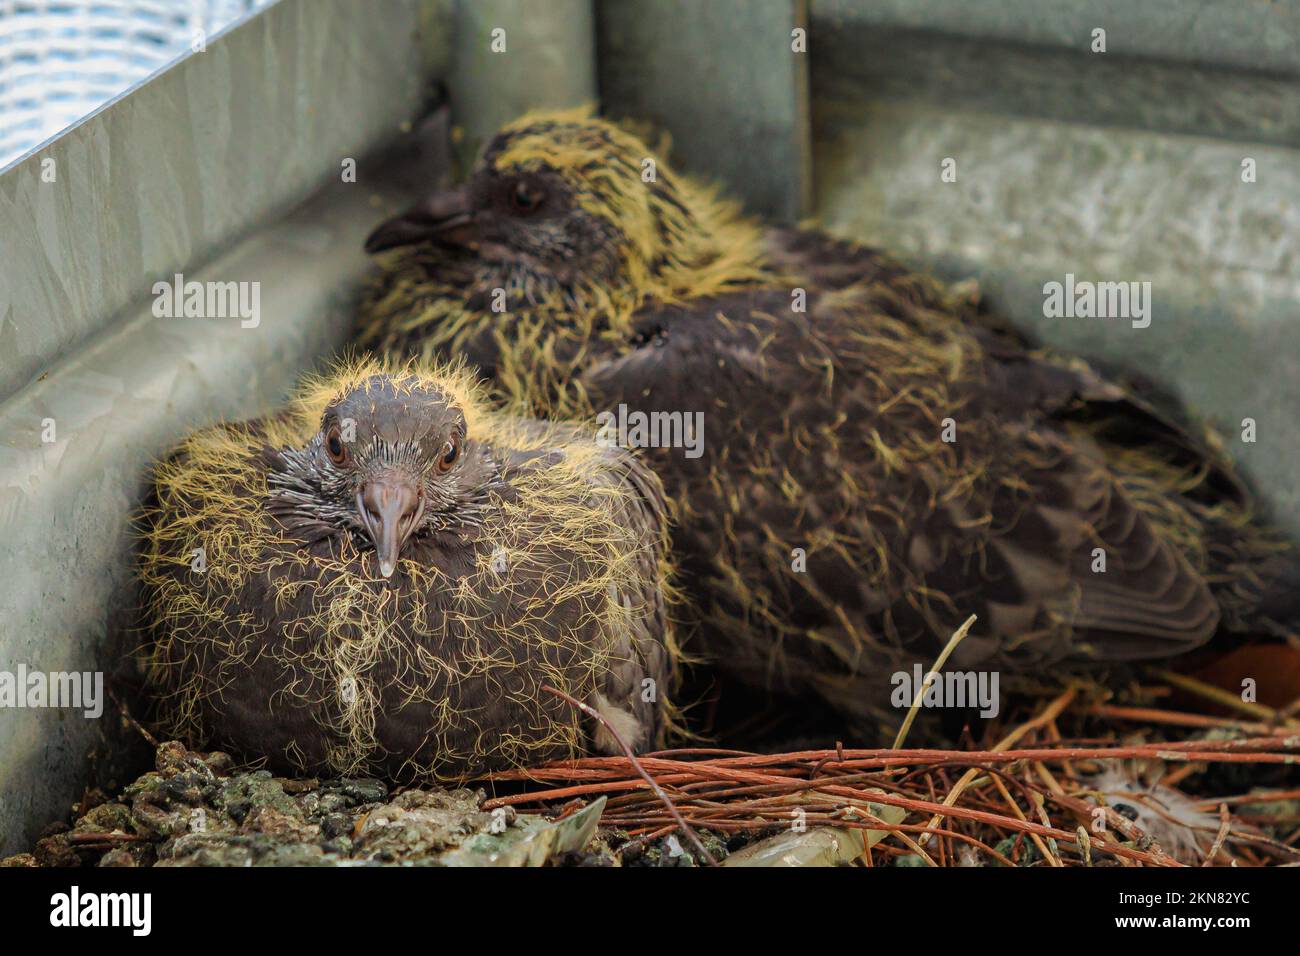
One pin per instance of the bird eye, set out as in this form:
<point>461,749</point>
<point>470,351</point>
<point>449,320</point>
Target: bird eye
<point>450,452</point>
<point>334,446</point>
<point>525,198</point>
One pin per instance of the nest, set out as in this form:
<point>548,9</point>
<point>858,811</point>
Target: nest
<point>1077,780</point>
<point>1073,779</point>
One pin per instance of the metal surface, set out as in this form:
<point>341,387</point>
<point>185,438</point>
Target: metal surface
<point>723,78</point>
<point>60,61</point>
<point>963,65</point>
<point>1107,168</point>
<point>1236,34</point>
<point>148,187</point>
<point>512,56</point>
<point>166,176</point>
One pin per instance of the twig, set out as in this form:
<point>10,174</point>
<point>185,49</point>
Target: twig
<point>95,837</point>
<point>1049,714</point>
<point>658,791</point>
<point>951,646</point>
<point>1226,698</point>
<point>131,721</point>
<point>1020,815</point>
<point>1225,823</point>
<point>1150,715</point>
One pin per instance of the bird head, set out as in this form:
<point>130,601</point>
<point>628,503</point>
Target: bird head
<point>391,461</point>
<point>570,202</point>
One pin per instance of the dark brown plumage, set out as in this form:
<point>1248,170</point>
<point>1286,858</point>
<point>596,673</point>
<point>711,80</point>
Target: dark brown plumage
<point>391,572</point>
<point>927,463</point>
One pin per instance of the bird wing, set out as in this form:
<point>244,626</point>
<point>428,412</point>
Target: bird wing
<point>1017,550</point>
<point>1067,566</point>
<point>832,263</point>
<point>826,263</point>
<point>1025,376</point>
<point>642,671</point>
<point>1041,385</point>
<point>642,648</point>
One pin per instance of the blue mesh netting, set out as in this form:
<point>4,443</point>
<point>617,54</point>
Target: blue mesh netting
<point>61,59</point>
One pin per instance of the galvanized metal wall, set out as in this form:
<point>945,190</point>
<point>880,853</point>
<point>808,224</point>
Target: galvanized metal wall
<point>1125,165</point>
<point>728,79</point>
<point>174,177</point>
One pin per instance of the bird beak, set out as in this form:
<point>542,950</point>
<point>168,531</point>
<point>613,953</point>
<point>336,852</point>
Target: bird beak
<point>446,217</point>
<point>390,508</point>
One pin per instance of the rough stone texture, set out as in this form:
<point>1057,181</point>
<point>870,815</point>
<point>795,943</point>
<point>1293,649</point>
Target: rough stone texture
<point>196,809</point>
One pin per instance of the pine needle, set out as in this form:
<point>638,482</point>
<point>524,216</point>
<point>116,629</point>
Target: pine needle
<point>958,636</point>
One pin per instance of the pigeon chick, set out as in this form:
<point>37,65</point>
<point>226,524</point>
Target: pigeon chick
<point>875,464</point>
<point>383,577</point>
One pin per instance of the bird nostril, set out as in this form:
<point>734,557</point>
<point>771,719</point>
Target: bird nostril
<point>392,504</point>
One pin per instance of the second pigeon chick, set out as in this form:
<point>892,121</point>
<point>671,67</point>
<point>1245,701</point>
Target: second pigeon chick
<point>873,463</point>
